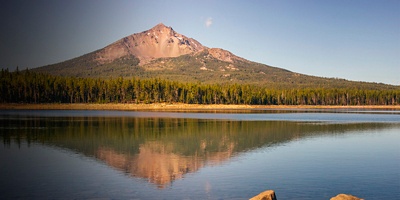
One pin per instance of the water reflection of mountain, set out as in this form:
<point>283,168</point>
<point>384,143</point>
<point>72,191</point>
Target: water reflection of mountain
<point>163,150</point>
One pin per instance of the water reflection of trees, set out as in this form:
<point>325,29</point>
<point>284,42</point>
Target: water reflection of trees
<point>162,149</point>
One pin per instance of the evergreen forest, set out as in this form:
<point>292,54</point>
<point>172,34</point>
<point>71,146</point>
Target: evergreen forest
<point>33,87</point>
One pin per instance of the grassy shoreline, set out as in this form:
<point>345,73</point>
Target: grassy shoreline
<point>176,107</point>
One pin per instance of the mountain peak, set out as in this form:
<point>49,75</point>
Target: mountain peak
<point>161,28</point>
<point>161,25</point>
<point>157,42</point>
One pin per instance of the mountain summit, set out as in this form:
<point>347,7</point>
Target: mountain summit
<point>158,42</point>
<point>161,52</point>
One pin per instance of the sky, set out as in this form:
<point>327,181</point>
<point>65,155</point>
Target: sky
<point>351,39</point>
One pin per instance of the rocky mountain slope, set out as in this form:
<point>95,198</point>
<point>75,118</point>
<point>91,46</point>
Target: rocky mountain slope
<point>161,52</point>
<point>159,42</point>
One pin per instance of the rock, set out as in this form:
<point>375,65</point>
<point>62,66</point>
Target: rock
<point>266,195</point>
<point>270,195</point>
<point>345,197</point>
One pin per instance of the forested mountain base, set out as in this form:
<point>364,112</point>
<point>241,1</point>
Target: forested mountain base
<point>30,87</point>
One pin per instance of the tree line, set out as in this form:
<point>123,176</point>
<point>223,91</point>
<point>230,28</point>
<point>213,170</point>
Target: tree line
<point>30,87</point>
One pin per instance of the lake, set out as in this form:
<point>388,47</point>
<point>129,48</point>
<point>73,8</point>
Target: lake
<point>301,154</point>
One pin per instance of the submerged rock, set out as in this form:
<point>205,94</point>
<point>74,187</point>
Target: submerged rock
<point>345,197</point>
<point>266,195</point>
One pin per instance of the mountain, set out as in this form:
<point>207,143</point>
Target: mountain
<point>161,52</point>
<point>159,42</point>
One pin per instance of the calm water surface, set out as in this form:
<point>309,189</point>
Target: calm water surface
<point>169,155</point>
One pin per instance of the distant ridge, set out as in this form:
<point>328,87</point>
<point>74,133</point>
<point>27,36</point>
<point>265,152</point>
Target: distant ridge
<point>161,52</point>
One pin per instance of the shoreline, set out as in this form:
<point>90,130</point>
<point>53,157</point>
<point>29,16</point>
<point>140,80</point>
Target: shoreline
<point>179,107</point>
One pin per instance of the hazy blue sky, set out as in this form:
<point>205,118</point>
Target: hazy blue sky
<point>351,39</point>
